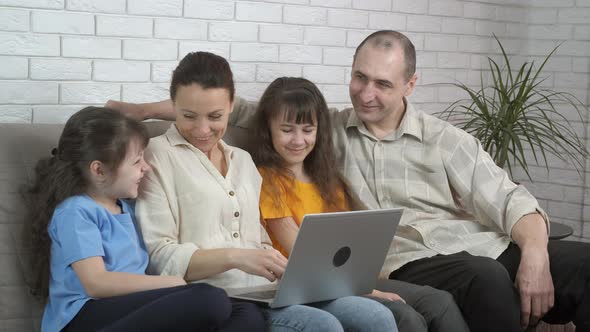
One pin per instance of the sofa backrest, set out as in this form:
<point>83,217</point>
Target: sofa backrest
<point>21,145</point>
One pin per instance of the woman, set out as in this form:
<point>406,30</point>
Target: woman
<point>198,209</point>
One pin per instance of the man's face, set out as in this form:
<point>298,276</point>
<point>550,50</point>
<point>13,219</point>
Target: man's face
<point>378,84</point>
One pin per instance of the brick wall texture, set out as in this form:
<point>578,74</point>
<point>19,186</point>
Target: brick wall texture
<point>57,56</point>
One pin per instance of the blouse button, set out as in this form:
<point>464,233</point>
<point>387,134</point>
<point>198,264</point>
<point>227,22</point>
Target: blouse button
<point>231,193</point>
<point>236,214</point>
<point>236,235</point>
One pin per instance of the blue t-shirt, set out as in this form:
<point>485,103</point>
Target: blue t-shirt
<point>81,228</point>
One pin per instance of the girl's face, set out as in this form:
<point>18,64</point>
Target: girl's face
<point>292,141</point>
<point>202,115</point>
<point>130,172</point>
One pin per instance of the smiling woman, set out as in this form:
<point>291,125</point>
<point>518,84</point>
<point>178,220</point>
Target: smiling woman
<point>202,116</point>
<point>199,213</point>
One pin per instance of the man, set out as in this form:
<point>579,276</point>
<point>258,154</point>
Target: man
<point>467,228</point>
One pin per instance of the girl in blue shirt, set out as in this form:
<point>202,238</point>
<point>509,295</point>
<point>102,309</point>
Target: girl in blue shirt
<point>88,256</point>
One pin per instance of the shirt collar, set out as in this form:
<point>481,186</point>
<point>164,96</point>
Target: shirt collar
<point>409,125</point>
<point>175,139</point>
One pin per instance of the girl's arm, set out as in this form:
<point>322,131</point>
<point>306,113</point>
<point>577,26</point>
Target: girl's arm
<point>205,263</point>
<point>284,231</point>
<point>100,283</point>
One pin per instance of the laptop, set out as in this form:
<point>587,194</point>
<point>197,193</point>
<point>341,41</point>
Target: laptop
<point>334,255</point>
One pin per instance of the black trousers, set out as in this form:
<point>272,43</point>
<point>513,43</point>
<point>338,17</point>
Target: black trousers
<point>484,288</point>
<point>194,307</point>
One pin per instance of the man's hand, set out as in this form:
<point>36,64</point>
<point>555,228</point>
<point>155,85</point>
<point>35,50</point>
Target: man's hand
<point>131,110</point>
<point>162,110</point>
<point>387,296</point>
<point>533,278</point>
<point>535,285</point>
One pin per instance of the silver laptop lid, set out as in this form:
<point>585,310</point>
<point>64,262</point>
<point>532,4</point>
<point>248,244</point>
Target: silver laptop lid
<point>337,254</point>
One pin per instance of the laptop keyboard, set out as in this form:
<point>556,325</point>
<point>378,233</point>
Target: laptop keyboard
<point>261,295</point>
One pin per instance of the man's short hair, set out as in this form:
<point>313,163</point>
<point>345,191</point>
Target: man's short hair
<point>390,39</point>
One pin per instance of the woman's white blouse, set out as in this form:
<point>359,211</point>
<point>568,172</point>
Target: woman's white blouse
<point>185,204</point>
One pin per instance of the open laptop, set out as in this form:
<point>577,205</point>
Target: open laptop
<point>335,255</point>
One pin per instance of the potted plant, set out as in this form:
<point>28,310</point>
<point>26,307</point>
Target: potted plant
<point>514,111</point>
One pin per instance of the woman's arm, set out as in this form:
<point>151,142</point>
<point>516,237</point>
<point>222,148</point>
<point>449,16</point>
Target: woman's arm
<point>100,283</point>
<point>205,263</point>
<point>284,231</point>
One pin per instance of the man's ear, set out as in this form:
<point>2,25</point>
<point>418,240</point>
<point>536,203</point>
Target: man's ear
<point>410,85</point>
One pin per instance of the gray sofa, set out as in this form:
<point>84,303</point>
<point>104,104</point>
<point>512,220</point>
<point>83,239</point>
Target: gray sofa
<point>21,145</point>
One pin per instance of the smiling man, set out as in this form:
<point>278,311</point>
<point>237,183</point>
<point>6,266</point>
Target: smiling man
<point>467,228</point>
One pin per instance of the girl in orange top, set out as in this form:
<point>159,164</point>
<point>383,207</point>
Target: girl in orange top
<point>294,152</point>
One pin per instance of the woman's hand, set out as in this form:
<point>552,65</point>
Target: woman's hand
<point>387,296</point>
<point>267,263</point>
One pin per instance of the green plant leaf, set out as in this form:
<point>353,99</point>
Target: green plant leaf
<point>512,114</point>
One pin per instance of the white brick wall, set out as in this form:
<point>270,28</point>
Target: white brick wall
<point>215,10</point>
<point>124,26</point>
<point>259,12</point>
<point>121,71</point>
<point>97,6</point>
<point>305,15</point>
<point>176,28</point>
<point>57,56</point>
<point>14,67</point>
<point>60,69</point>
<point>88,93</point>
<point>287,34</point>
<point>52,4</point>
<point>233,31</point>
<point>155,7</point>
<point>91,47</point>
<point>63,22</point>
<point>14,20</point>
<point>140,49</point>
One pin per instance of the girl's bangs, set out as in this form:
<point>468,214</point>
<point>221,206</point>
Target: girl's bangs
<point>298,110</point>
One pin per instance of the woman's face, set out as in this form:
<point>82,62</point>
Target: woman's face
<point>202,114</point>
<point>292,141</point>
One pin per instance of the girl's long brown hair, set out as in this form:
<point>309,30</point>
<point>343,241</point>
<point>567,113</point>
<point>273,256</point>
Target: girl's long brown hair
<point>299,100</point>
<point>93,133</point>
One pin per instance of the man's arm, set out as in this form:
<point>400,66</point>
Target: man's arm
<point>161,110</point>
<point>533,278</point>
<point>164,110</point>
<point>487,192</point>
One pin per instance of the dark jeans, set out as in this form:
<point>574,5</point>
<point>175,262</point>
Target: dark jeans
<point>194,307</point>
<point>426,309</point>
<point>484,288</point>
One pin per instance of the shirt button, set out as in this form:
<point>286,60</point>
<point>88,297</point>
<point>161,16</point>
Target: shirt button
<point>236,235</point>
<point>231,193</point>
<point>236,214</point>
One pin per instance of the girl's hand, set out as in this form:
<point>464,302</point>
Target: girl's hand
<point>387,296</point>
<point>267,263</point>
<point>173,280</point>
